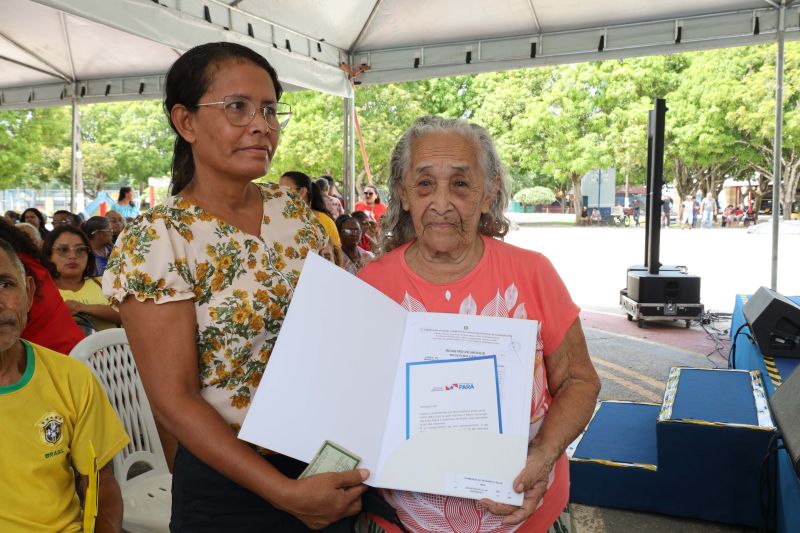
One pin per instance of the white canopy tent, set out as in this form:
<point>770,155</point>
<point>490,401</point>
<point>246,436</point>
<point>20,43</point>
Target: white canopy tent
<point>58,52</point>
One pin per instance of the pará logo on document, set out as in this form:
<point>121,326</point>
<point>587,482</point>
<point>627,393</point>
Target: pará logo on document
<point>455,387</point>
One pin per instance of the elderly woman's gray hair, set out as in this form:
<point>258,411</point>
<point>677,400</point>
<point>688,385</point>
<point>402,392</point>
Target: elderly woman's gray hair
<point>397,227</point>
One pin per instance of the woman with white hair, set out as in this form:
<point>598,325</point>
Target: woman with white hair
<point>442,253</point>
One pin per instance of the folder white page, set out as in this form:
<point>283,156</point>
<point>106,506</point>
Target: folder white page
<point>338,372</point>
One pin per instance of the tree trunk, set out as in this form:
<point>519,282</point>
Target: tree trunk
<point>578,196</point>
<point>789,185</point>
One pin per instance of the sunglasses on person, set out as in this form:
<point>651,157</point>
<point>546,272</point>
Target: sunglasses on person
<point>64,249</point>
<point>369,193</point>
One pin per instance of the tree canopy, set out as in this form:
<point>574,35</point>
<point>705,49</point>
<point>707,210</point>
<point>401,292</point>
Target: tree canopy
<point>551,125</point>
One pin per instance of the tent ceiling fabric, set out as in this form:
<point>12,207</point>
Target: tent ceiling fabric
<point>51,50</point>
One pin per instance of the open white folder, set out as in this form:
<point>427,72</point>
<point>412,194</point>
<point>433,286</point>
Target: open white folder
<point>346,362</point>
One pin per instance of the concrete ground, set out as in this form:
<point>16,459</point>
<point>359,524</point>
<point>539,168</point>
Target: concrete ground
<point>633,362</point>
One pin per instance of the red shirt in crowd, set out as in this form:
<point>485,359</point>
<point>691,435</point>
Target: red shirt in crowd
<point>50,324</point>
<point>376,210</point>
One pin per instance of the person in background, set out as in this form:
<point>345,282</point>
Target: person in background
<point>332,189</point>
<point>708,211</point>
<point>371,203</point>
<point>666,211</point>
<point>301,184</point>
<point>50,322</point>
<point>68,249</point>
<point>31,232</point>
<point>637,210</point>
<point>62,216</point>
<point>12,217</point>
<point>333,204</point>
<point>442,253</point>
<point>36,218</point>
<point>117,223</point>
<point>353,256</point>
<point>224,255</point>
<point>686,212</point>
<point>369,230</point>
<point>53,411</point>
<point>126,205</point>
<point>100,234</point>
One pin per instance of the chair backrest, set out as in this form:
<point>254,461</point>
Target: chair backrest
<point>109,356</point>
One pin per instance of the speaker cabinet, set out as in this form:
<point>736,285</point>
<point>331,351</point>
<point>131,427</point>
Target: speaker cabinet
<point>668,286</point>
<point>784,406</point>
<point>774,321</point>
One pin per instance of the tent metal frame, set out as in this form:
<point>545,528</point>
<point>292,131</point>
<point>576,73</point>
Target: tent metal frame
<point>181,24</point>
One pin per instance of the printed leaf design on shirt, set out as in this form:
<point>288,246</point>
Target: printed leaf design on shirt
<point>496,307</point>
<point>412,304</point>
<point>468,306</point>
<point>520,312</point>
<point>511,296</point>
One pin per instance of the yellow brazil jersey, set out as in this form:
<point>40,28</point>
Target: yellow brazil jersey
<point>49,418</point>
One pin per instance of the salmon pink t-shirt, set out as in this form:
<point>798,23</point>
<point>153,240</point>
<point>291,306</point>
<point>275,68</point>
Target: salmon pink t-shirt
<point>507,282</point>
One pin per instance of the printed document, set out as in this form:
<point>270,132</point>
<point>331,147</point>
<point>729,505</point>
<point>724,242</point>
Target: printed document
<point>369,379</point>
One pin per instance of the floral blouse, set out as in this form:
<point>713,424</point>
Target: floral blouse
<point>241,284</point>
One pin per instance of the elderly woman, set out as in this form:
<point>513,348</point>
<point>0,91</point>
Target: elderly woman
<point>203,283</point>
<point>447,192</point>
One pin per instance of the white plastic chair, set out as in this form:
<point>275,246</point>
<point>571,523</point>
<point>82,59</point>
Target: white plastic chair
<point>147,495</point>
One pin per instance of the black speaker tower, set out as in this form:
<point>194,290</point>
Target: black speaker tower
<point>656,291</point>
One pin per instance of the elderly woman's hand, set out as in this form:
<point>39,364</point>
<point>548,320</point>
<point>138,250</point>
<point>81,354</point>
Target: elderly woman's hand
<point>532,481</point>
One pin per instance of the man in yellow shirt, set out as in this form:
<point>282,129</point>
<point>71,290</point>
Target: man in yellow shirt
<point>53,412</point>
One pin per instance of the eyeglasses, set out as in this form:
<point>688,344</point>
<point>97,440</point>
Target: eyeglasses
<point>64,249</point>
<point>351,231</point>
<point>369,193</point>
<point>241,111</point>
<point>108,230</point>
<point>62,222</point>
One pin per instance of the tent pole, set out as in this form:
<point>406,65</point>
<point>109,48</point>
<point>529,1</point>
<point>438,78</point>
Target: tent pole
<point>76,168</point>
<point>777,173</point>
<point>348,153</point>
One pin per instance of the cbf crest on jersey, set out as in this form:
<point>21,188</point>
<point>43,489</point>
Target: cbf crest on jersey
<point>50,428</point>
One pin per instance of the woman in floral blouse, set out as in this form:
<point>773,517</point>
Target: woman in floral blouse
<point>203,283</point>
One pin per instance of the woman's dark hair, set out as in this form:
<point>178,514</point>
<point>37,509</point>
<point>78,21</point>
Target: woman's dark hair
<point>123,192</point>
<point>344,218</point>
<point>315,200</point>
<point>91,226</point>
<point>323,185</point>
<point>22,243</point>
<point>72,218</point>
<point>43,231</point>
<point>187,81</point>
<point>47,248</point>
<point>362,217</point>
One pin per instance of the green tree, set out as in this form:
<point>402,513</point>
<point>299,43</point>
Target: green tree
<point>535,196</point>
<point>23,135</point>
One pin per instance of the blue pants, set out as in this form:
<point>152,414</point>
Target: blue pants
<point>708,216</point>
